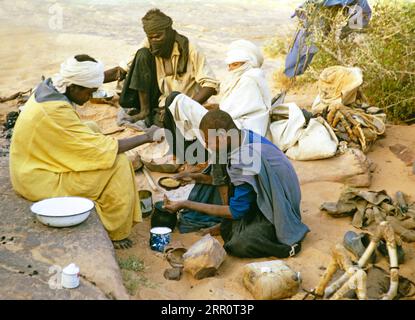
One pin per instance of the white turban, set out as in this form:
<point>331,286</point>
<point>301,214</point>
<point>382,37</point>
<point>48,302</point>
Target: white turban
<point>244,51</point>
<point>87,74</point>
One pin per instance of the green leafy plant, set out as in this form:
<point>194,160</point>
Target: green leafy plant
<point>131,263</point>
<point>385,51</point>
<point>132,269</point>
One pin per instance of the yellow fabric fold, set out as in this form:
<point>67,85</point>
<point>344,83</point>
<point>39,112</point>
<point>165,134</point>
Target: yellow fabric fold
<point>54,154</point>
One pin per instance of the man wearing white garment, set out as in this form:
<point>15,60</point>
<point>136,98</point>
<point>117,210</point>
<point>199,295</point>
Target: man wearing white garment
<point>245,94</point>
<point>246,97</point>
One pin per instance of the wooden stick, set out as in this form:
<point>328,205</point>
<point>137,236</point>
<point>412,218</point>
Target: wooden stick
<point>14,96</point>
<point>150,179</point>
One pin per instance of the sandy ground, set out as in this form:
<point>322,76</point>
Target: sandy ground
<point>391,174</point>
<point>108,30</point>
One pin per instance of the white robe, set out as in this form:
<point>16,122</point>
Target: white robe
<point>247,100</point>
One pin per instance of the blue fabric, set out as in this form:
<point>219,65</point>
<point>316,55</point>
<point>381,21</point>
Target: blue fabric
<point>243,200</point>
<point>255,138</point>
<point>304,52</point>
<point>192,221</point>
<point>301,51</point>
<point>275,182</point>
<point>45,92</point>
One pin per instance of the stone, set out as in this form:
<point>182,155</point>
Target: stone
<point>173,274</point>
<point>26,242</point>
<point>351,168</point>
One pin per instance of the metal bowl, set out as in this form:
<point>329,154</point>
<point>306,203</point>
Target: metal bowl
<point>101,96</point>
<point>62,212</point>
<point>162,168</point>
<point>160,182</point>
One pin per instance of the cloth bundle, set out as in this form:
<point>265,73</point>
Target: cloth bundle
<point>370,208</point>
<point>301,140</point>
<point>344,106</point>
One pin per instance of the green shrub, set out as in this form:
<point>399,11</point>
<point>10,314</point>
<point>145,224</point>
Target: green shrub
<point>131,263</point>
<point>385,51</point>
<point>277,46</point>
<point>132,271</point>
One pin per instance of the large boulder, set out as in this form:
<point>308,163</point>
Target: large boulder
<point>31,254</point>
<point>351,168</point>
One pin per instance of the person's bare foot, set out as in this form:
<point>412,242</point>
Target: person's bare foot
<point>122,244</point>
<point>213,231</point>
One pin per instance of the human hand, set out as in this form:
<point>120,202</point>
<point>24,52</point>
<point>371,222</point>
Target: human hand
<point>121,74</point>
<point>172,206</point>
<point>139,116</point>
<point>184,177</point>
<point>155,134</point>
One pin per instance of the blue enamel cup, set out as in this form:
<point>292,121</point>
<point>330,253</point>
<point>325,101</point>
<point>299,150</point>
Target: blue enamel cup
<point>159,238</point>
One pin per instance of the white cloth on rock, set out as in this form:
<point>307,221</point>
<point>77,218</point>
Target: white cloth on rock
<point>315,141</point>
<point>337,84</point>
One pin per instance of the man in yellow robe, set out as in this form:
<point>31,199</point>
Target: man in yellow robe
<point>54,154</point>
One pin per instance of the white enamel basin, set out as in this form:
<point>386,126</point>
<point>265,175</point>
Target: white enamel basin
<point>62,212</point>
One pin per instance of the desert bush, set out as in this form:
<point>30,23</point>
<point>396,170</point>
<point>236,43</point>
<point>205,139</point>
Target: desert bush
<point>385,51</point>
<point>131,263</point>
<point>277,46</point>
<point>132,272</point>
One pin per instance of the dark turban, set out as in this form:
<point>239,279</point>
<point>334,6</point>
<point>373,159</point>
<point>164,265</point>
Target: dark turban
<point>156,21</point>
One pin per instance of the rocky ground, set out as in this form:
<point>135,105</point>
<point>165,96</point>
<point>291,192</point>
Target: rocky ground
<point>109,30</point>
<point>31,254</point>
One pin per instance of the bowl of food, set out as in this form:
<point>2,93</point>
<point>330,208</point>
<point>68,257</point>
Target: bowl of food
<point>62,212</point>
<point>161,166</point>
<point>169,183</point>
<point>157,157</point>
<point>101,96</point>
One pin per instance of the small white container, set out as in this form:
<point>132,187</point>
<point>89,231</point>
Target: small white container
<point>70,276</point>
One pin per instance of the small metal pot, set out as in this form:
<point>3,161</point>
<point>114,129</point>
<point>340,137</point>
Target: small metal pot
<point>146,202</point>
<point>163,218</point>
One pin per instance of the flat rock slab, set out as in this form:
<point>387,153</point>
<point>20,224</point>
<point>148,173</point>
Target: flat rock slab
<point>351,168</point>
<point>32,254</point>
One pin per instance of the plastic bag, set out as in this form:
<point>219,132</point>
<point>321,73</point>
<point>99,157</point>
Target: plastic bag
<point>204,258</point>
<point>271,280</point>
